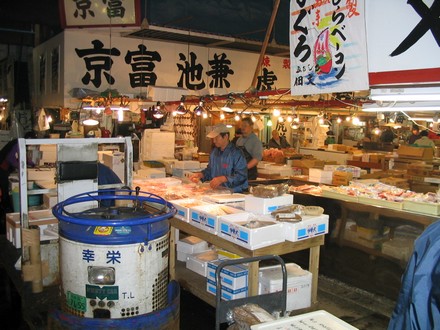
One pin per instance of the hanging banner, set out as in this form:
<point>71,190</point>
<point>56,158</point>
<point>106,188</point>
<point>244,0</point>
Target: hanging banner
<point>328,50</point>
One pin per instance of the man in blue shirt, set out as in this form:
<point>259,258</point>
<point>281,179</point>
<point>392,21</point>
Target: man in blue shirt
<point>227,165</point>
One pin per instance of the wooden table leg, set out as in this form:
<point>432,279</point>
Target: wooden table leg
<point>314,269</point>
<point>254,268</point>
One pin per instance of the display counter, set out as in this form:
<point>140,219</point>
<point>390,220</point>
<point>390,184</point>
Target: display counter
<point>196,284</point>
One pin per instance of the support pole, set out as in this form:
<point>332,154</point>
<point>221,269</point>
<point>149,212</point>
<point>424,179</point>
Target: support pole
<point>265,43</point>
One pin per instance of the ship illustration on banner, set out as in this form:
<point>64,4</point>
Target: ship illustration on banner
<point>322,53</point>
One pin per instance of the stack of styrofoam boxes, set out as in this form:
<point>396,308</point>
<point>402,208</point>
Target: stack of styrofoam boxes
<point>234,280</point>
<point>190,245</point>
<point>157,144</point>
<point>198,262</point>
<point>182,168</point>
<point>206,216</point>
<point>309,227</point>
<point>260,205</point>
<point>320,176</point>
<point>299,284</point>
<point>281,170</point>
<point>234,228</point>
<point>41,218</point>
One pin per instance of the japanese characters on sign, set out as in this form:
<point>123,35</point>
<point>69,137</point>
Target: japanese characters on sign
<point>78,13</point>
<point>327,46</point>
<point>97,62</point>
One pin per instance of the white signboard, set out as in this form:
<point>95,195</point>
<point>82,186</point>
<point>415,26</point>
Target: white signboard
<point>327,47</point>
<point>403,41</point>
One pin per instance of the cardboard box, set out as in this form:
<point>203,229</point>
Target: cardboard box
<point>310,226</point>
<point>320,176</point>
<point>415,152</point>
<point>41,218</point>
<point>260,205</point>
<point>299,284</point>
<point>341,178</point>
<point>233,228</point>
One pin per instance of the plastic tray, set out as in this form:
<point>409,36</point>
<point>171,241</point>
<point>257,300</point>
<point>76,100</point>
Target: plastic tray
<point>319,320</point>
<point>381,202</point>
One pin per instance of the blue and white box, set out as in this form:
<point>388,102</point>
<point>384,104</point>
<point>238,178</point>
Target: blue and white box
<point>183,207</point>
<point>251,231</point>
<point>309,227</point>
<point>227,294</point>
<point>234,277</point>
<point>261,205</point>
<point>206,217</point>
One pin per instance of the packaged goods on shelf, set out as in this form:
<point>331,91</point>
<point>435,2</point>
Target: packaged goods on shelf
<point>309,227</point>
<point>266,205</point>
<point>206,216</point>
<point>198,262</point>
<point>250,231</point>
<point>227,294</point>
<point>299,284</point>
<point>190,245</point>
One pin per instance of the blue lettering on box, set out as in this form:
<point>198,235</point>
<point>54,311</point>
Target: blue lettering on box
<point>210,222</point>
<point>244,236</point>
<point>272,208</point>
<point>180,212</point>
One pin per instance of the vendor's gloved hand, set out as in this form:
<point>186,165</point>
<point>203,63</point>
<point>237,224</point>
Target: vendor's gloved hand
<point>196,177</point>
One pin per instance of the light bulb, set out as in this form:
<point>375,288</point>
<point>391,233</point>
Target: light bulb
<point>339,120</point>
<point>269,123</point>
<point>237,117</point>
<point>289,119</point>
<point>280,119</point>
<point>276,112</point>
<point>222,116</point>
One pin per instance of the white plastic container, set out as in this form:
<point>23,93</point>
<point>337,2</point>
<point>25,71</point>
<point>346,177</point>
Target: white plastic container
<point>299,284</point>
<point>310,226</point>
<point>234,277</point>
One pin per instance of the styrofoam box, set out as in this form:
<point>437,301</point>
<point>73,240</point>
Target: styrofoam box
<point>234,277</point>
<point>187,164</point>
<point>227,294</point>
<point>205,217</point>
<point>198,262</point>
<point>183,207</point>
<point>266,205</point>
<point>231,228</point>
<point>310,226</point>
<point>41,174</point>
<point>150,173</point>
<point>190,245</point>
<point>318,320</point>
<point>299,284</point>
<point>40,218</point>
